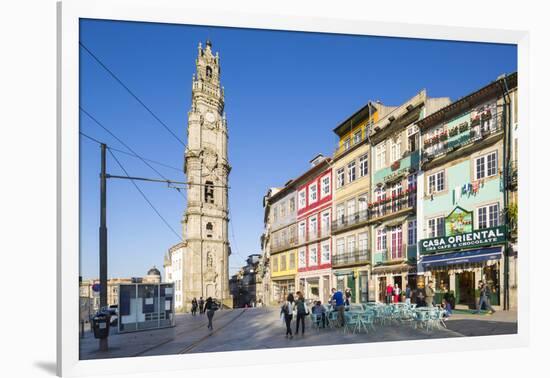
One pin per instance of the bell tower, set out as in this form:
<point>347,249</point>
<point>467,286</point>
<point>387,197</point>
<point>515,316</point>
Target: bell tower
<point>205,221</point>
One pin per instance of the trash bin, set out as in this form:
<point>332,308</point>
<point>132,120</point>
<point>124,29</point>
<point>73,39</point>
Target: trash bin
<point>101,325</point>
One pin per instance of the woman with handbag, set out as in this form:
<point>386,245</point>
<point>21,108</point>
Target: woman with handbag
<point>287,310</point>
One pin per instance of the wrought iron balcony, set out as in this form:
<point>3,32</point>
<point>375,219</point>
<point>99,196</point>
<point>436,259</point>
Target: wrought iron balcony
<point>345,222</point>
<point>393,205</point>
<point>286,244</point>
<point>513,175</point>
<point>354,258</point>
<point>462,135</point>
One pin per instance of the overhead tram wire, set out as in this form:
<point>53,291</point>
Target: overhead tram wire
<point>131,154</point>
<point>104,66</point>
<point>124,144</point>
<point>145,197</point>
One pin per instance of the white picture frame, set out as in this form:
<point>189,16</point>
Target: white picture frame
<point>69,13</point>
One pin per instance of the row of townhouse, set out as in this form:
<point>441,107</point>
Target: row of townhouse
<point>424,189</point>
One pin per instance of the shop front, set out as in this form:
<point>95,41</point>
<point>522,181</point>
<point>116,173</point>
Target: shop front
<point>315,285</point>
<point>392,274</point>
<point>456,275</point>
<point>282,286</point>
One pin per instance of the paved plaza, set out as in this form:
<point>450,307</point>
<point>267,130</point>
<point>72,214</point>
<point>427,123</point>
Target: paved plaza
<point>261,328</point>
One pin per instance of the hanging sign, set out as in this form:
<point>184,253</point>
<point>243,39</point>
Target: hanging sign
<point>477,238</point>
<point>459,221</point>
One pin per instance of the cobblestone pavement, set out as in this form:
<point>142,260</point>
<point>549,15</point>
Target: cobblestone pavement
<point>261,328</point>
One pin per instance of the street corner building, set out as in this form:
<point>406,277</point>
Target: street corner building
<point>469,195</point>
<point>199,265</point>
<point>425,190</point>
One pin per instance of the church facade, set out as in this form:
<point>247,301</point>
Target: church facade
<point>205,255</point>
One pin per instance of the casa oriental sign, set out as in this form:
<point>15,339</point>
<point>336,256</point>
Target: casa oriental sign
<point>473,239</point>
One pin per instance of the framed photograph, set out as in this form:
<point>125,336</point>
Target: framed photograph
<point>237,187</point>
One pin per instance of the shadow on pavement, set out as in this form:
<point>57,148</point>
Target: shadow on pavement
<point>473,327</point>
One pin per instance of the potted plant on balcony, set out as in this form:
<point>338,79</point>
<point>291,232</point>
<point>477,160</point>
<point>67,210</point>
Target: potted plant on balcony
<point>395,165</point>
<point>463,127</point>
<point>475,121</point>
<point>486,115</point>
<point>443,136</point>
<point>453,131</point>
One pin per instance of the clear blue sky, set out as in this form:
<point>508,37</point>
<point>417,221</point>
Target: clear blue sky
<point>285,92</point>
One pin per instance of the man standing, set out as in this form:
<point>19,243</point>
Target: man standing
<point>338,302</point>
<point>484,293</point>
<point>430,293</point>
<point>201,305</point>
<point>389,293</point>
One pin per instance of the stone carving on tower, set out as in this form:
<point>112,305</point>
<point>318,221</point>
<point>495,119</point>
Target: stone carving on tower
<point>205,221</point>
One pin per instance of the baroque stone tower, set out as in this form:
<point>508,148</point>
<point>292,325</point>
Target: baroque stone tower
<point>205,222</point>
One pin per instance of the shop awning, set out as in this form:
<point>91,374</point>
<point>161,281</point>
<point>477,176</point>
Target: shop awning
<point>462,257</point>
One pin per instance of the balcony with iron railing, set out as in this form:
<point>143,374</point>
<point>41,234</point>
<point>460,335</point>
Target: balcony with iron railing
<point>344,222</point>
<point>391,255</point>
<point>393,206</point>
<point>483,127</point>
<point>284,245</point>
<point>359,257</point>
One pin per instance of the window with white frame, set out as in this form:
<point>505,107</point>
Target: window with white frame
<point>283,209</point>
<point>351,244</point>
<point>395,149</point>
<point>325,186</point>
<point>436,182</point>
<point>351,172</point>
<point>363,165</point>
<point>363,243</point>
<point>436,227</point>
<point>357,137</point>
<point>411,232</point>
<point>363,203</point>
<point>381,239</point>
<point>325,252</point>
<point>488,216</point>
<point>396,246</point>
<point>347,144</point>
<point>340,246</point>
<point>301,232</point>
<point>412,137</point>
<point>292,204</point>
<point>313,227</point>
<point>325,223</point>
<point>380,156</point>
<point>313,255</point>
<point>302,258</point>
<point>302,199</point>
<point>486,166</point>
<point>312,193</point>
<point>340,177</point>
<point>351,207</point>
<point>340,214</point>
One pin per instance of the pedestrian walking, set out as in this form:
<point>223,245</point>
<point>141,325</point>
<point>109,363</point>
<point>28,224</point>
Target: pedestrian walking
<point>194,305</point>
<point>396,293</point>
<point>408,295</point>
<point>430,293</point>
<point>287,310</point>
<point>201,305</point>
<point>338,302</point>
<point>210,307</point>
<point>389,293</point>
<point>301,312</point>
<point>484,299</point>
